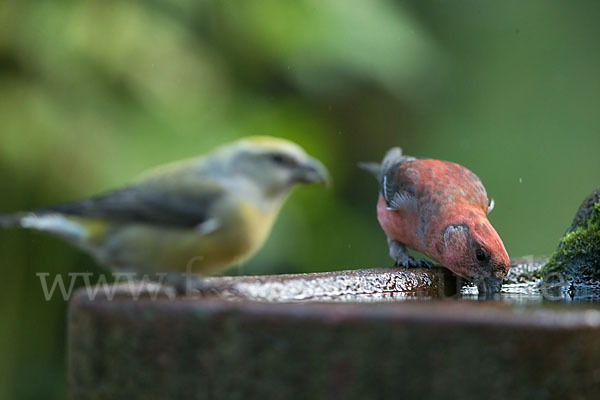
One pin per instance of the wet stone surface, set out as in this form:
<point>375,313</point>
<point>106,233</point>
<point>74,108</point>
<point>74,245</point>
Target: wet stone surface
<point>373,285</point>
<point>338,335</point>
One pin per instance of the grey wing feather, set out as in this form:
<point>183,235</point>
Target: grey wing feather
<point>398,193</point>
<point>144,205</point>
<point>400,200</point>
<point>392,158</point>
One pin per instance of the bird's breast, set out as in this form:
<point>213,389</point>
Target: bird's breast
<point>247,228</point>
<point>403,226</point>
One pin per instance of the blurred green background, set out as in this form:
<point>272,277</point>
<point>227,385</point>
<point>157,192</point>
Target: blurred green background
<point>93,92</point>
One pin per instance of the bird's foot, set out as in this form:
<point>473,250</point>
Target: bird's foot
<point>193,287</point>
<point>410,262</point>
<point>423,263</point>
<point>400,255</point>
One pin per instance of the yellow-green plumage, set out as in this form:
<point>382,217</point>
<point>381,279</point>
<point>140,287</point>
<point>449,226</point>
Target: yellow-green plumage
<point>155,248</point>
<point>205,213</point>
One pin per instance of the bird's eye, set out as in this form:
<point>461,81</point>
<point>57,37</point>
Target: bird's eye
<point>277,158</point>
<point>281,159</point>
<point>480,254</point>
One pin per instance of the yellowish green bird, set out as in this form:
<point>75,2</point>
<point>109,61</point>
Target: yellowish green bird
<point>216,209</point>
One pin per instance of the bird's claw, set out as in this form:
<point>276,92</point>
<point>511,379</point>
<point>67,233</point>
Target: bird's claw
<point>423,263</point>
<point>194,287</point>
<point>402,259</point>
<point>410,262</point>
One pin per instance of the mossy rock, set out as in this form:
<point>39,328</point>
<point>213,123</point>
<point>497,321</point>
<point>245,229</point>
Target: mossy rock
<point>577,257</point>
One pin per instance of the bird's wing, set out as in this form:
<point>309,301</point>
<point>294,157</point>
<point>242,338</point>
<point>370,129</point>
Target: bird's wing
<point>146,204</point>
<point>398,190</point>
<point>491,206</point>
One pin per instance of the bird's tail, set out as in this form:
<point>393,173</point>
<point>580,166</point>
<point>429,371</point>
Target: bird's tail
<point>371,167</point>
<point>53,223</point>
<point>10,220</point>
<point>393,157</point>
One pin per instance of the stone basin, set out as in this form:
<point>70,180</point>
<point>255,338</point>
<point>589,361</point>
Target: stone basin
<point>365,334</point>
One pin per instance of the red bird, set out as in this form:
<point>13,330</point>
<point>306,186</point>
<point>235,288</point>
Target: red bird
<point>439,208</point>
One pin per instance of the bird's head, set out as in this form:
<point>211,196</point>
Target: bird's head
<point>273,165</point>
<point>472,249</point>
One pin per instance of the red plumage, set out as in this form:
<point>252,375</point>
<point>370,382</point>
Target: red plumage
<point>439,208</point>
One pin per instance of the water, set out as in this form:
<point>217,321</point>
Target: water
<point>523,286</point>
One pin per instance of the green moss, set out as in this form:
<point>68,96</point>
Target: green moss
<point>578,254</point>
